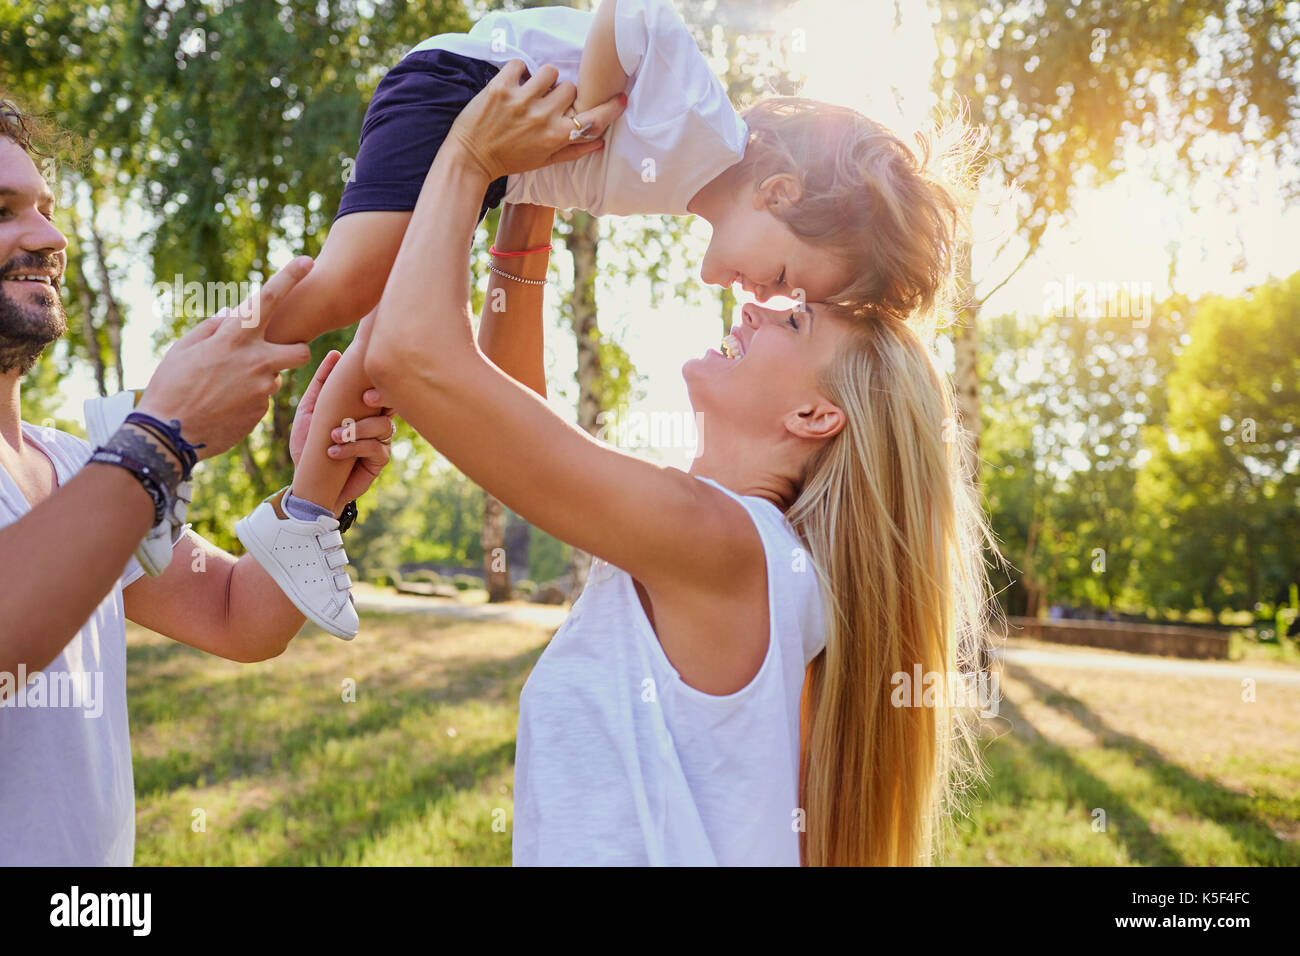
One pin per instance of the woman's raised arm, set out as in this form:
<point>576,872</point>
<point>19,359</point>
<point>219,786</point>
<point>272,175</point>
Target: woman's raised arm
<point>661,525</point>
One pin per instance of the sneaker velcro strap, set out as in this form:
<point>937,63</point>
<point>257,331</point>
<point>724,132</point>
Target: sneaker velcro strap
<point>342,582</point>
<point>331,539</point>
<point>335,559</point>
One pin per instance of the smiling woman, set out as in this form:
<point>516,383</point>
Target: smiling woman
<point>825,530</point>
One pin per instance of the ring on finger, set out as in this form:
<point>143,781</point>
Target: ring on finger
<point>389,439</point>
<point>581,132</point>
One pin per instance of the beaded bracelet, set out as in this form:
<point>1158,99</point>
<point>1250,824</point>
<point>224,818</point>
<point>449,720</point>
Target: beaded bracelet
<point>517,278</point>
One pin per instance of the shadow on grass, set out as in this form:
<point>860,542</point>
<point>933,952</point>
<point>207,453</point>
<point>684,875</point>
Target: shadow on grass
<point>1028,747</point>
<point>1198,797</point>
<point>245,746</point>
<point>342,832</point>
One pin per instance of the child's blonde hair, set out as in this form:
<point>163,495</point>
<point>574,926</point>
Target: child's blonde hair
<point>894,213</point>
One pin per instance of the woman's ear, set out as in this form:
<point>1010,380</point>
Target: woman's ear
<point>778,192</point>
<point>821,420</point>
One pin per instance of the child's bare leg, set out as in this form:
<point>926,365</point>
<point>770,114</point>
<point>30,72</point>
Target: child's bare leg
<point>319,478</point>
<point>347,280</point>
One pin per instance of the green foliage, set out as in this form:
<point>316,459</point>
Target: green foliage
<point>1065,86</point>
<point>40,393</point>
<point>1150,467</point>
<point>1223,484</point>
<point>1068,398</point>
<point>228,127</point>
<point>547,556</point>
<point>420,510</point>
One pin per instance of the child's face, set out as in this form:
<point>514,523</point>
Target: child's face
<point>750,245</point>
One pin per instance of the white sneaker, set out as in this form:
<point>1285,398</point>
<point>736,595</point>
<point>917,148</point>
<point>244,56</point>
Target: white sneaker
<point>104,416</point>
<point>306,559</point>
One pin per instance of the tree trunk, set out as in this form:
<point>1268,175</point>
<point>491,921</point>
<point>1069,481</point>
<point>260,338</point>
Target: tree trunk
<point>87,304</point>
<point>496,563</point>
<point>113,320</point>
<point>519,535</point>
<point>582,242</point>
<point>251,467</point>
<point>728,308</point>
<point>75,279</point>
<point>1029,578</point>
<point>282,413</point>
<point>582,246</point>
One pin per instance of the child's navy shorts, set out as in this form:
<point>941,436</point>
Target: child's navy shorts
<point>407,119</point>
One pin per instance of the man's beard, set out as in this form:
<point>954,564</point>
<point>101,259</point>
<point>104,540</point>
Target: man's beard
<point>26,328</point>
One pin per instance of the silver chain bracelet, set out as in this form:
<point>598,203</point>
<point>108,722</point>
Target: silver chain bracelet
<point>516,278</point>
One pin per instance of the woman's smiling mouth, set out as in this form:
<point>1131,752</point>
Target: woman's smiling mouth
<point>733,347</point>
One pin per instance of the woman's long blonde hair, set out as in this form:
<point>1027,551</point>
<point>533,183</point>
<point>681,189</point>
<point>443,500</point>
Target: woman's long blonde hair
<point>889,513</point>
<point>898,538</point>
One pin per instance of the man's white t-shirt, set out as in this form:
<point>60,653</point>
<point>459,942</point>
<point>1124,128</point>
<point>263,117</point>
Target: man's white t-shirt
<point>67,796</point>
<point>679,130</point>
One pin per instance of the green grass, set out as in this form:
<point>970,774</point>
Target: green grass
<point>419,768</point>
<point>1181,771</point>
<point>1244,646</point>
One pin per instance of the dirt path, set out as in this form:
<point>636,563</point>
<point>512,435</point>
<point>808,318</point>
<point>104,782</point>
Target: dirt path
<point>549,615</point>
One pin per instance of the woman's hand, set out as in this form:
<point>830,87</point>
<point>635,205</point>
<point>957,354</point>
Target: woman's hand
<point>366,440</point>
<point>512,128</point>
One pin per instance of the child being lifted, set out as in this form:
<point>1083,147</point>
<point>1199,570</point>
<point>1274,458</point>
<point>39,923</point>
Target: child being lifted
<point>807,200</point>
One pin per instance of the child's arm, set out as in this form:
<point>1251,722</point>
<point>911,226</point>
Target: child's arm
<point>600,75</point>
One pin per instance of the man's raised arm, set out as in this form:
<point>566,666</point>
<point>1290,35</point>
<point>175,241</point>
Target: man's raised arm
<point>64,556</point>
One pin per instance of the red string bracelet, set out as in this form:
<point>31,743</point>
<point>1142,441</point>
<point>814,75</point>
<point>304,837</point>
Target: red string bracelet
<point>512,255</point>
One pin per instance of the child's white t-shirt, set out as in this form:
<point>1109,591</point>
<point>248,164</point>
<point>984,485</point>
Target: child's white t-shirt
<point>679,130</point>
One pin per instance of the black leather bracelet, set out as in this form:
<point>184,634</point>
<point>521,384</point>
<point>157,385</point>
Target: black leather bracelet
<point>144,474</point>
<point>348,517</point>
<point>169,433</point>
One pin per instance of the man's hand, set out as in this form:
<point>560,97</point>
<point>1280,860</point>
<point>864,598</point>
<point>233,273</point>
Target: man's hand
<point>511,127</point>
<point>365,440</point>
<point>219,378</point>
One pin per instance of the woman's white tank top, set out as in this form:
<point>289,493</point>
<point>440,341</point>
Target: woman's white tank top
<point>619,762</point>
